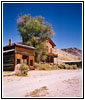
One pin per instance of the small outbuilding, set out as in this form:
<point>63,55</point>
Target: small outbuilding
<point>77,62</point>
<point>18,53</point>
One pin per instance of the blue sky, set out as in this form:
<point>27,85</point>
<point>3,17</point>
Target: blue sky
<point>66,20</point>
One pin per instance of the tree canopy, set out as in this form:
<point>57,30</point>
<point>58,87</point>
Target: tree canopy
<point>34,32</point>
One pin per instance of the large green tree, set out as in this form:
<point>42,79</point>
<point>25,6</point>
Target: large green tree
<point>34,32</point>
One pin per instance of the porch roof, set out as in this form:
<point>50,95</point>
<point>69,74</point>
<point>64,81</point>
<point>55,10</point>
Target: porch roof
<point>52,54</point>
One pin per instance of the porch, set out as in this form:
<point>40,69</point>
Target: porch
<point>51,58</point>
<point>24,59</point>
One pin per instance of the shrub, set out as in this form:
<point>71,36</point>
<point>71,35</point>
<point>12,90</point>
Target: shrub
<point>37,66</point>
<point>44,67</point>
<point>54,67</point>
<point>74,66</point>
<point>21,70</point>
<point>68,67</point>
<point>61,66</point>
<point>24,70</point>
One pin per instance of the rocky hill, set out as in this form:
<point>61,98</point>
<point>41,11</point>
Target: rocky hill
<point>74,51</point>
<point>65,55</point>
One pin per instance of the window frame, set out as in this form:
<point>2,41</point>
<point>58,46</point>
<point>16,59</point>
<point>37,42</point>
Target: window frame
<point>19,61</point>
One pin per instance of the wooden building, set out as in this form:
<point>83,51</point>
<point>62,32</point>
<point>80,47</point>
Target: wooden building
<point>52,57</point>
<point>77,62</point>
<point>16,53</point>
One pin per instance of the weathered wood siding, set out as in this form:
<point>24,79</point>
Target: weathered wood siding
<point>8,60</point>
<point>24,51</point>
<point>8,48</point>
<point>20,52</point>
<point>50,47</point>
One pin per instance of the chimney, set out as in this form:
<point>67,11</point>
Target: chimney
<point>10,41</point>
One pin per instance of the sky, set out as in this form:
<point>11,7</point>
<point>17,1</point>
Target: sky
<point>65,18</point>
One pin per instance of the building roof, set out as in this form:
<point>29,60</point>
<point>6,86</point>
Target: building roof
<point>72,61</point>
<point>22,45</point>
<point>52,54</point>
<point>53,44</point>
<point>19,45</point>
<point>8,51</point>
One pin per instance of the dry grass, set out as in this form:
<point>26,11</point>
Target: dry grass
<point>7,72</point>
<point>42,92</point>
<point>62,55</point>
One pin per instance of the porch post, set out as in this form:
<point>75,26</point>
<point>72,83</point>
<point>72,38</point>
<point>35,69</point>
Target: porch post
<point>49,59</point>
<point>53,59</point>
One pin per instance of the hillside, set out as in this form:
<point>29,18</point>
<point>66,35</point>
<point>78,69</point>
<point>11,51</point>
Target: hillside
<point>74,51</point>
<point>64,55</point>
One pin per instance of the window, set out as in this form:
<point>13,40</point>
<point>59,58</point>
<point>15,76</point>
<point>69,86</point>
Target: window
<point>50,50</point>
<point>18,61</point>
<point>31,62</point>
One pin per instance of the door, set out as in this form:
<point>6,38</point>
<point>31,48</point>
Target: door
<point>24,59</point>
<point>31,62</point>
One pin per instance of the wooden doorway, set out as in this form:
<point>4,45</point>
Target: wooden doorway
<point>24,59</point>
<point>31,62</point>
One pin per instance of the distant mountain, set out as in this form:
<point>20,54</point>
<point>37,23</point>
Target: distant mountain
<point>74,51</point>
<point>65,56</point>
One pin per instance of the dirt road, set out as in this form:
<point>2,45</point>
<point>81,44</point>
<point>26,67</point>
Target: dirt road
<point>56,83</point>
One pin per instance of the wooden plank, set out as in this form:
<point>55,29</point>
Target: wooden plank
<point>8,65</point>
<point>24,51</point>
<point>8,61</point>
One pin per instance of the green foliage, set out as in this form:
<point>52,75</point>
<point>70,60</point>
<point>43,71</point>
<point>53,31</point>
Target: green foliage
<point>55,67</point>
<point>75,66</point>
<point>24,70</point>
<point>45,67</point>
<point>66,66</point>
<point>34,27</point>
<point>34,32</point>
<point>37,66</point>
<point>42,66</point>
<point>61,66</point>
<point>41,51</point>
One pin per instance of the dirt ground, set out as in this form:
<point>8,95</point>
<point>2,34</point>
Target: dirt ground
<point>55,83</point>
